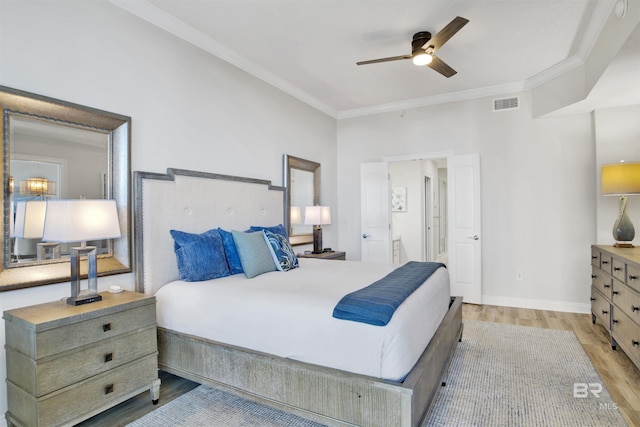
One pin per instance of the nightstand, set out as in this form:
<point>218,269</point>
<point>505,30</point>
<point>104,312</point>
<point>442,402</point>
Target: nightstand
<point>339,255</point>
<point>68,363</point>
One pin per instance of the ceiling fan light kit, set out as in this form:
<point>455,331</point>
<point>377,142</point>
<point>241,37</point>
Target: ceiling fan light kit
<point>424,47</point>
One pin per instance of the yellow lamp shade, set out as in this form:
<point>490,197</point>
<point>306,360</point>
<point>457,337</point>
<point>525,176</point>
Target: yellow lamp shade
<point>621,178</point>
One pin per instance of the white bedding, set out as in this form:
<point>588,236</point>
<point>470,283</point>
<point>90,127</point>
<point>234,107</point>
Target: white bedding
<point>289,314</point>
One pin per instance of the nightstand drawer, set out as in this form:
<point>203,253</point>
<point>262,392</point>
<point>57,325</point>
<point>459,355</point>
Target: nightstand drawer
<point>626,300</point>
<point>53,374</point>
<point>73,402</point>
<point>76,335</point>
<point>627,335</point>
<point>601,281</point>
<point>633,277</point>
<point>601,307</point>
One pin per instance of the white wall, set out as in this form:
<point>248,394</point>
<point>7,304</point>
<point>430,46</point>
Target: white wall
<point>189,109</point>
<point>538,191</point>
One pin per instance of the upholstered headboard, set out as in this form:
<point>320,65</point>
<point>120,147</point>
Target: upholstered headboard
<point>193,202</point>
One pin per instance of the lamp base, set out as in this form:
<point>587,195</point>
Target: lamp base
<point>84,299</point>
<point>623,245</point>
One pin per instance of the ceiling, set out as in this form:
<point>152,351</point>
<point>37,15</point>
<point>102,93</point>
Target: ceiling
<point>309,48</point>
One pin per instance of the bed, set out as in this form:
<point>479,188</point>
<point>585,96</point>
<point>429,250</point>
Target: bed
<point>291,369</point>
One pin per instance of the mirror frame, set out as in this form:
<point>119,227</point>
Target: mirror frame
<point>14,101</point>
<point>291,162</point>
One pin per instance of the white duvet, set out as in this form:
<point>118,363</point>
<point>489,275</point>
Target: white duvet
<point>289,314</point>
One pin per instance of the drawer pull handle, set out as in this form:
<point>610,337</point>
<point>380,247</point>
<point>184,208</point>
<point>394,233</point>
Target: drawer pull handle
<point>108,357</point>
<point>616,292</point>
<point>605,262</point>
<point>106,327</point>
<point>615,321</point>
<point>632,277</point>
<point>616,269</point>
<point>108,389</point>
<point>607,286</point>
<point>593,299</point>
<point>594,256</point>
<point>593,276</point>
<point>604,311</point>
<point>635,343</point>
<point>634,308</point>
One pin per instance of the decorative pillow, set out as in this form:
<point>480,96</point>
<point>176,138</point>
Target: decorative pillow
<point>281,251</point>
<point>274,229</point>
<point>254,253</point>
<point>230,251</point>
<point>199,256</point>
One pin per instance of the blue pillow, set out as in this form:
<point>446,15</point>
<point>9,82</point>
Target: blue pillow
<point>255,256</point>
<point>281,251</point>
<point>199,256</point>
<point>230,251</point>
<point>274,229</point>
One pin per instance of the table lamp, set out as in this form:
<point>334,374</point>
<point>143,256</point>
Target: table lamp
<point>622,179</point>
<point>317,216</point>
<point>81,221</point>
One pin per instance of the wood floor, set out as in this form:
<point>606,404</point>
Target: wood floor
<point>620,376</point>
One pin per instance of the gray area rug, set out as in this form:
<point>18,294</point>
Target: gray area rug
<point>501,375</point>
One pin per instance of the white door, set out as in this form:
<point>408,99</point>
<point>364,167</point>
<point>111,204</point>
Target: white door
<point>465,247</point>
<point>374,212</point>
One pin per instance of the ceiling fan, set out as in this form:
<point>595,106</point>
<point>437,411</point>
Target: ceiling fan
<point>424,47</point>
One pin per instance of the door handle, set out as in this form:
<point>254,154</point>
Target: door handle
<point>474,237</point>
<point>364,236</point>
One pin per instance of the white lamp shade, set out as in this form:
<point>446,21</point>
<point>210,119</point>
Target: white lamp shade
<point>317,215</point>
<point>29,219</point>
<point>621,178</point>
<point>81,220</point>
<point>296,216</point>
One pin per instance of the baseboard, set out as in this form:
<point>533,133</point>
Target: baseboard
<point>536,304</point>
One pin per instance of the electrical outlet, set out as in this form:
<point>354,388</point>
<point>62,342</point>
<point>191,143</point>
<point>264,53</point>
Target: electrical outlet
<point>519,275</point>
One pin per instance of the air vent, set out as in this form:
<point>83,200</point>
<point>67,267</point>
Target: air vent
<point>506,104</point>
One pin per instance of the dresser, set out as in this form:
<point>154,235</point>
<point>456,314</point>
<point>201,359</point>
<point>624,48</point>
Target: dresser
<point>67,363</point>
<point>615,296</point>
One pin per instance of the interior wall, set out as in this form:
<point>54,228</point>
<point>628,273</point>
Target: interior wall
<point>537,183</point>
<point>189,109</point>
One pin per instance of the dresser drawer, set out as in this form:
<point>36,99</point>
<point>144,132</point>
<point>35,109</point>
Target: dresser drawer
<point>627,335</point>
<point>626,300</point>
<point>71,403</point>
<point>601,281</point>
<point>601,307</point>
<point>58,340</point>
<point>633,277</point>
<point>618,269</point>
<point>57,372</point>
<point>605,263</point>
<point>595,257</point>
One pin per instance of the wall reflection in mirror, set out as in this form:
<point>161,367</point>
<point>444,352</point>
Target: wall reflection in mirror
<point>48,161</point>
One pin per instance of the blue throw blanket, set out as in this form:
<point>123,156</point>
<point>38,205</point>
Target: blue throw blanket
<point>376,303</point>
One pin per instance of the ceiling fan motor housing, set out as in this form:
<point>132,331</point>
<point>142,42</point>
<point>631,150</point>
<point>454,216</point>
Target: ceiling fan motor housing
<point>419,39</point>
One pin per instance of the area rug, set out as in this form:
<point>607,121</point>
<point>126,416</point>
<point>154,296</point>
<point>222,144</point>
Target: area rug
<point>500,375</point>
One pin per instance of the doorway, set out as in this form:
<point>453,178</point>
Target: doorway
<point>417,228</point>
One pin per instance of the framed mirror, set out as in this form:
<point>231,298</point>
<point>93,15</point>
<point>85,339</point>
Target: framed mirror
<point>58,150</point>
<point>302,183</point>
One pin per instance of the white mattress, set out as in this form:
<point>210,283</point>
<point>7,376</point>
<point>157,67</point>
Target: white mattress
<point>289,314</point>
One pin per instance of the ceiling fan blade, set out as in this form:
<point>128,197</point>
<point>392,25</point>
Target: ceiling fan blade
<point>440,66</point>
<point>391,58</point>
<point>446,33</point>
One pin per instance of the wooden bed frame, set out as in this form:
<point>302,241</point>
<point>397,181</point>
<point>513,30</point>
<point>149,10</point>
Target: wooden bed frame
<point>197,201</point>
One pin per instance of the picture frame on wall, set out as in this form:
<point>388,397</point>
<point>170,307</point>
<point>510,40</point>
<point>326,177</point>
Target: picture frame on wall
<point>399,199</point>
